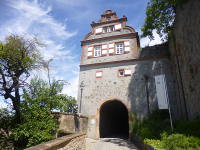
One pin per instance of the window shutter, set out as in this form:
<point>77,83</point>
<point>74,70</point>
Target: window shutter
<point>104,46</point>
<point>111,51</point>
<point>127,72</point>
<point>126,43</point>
<point>104,52</point>
<point>127,49</point>
<point>111,45</point>
<point>99,74</point>
<point>118,26</point>
<point>90,49</point>
<point>89,53</point>
<point>99,30</point>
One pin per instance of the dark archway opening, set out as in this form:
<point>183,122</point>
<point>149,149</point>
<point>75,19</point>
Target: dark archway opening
<point>114,120</point>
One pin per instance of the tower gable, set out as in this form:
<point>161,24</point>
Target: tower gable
<point>110,40</point>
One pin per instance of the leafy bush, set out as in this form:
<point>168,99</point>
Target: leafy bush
<point>6,119</point>
<point>38,126</point>
<point>152,126</point>
<point>155,131</point>
<point>157,144</point>
<point>180,141</point>
<point>189,128</point>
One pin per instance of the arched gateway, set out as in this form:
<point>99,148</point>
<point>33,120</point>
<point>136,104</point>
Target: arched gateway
<point>113,120</point>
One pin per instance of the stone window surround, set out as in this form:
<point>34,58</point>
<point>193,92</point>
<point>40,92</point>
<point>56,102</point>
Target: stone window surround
<point>99,71</point>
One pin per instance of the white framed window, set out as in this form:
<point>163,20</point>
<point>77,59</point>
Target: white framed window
<point>119,48</point>
<point>97,51</point>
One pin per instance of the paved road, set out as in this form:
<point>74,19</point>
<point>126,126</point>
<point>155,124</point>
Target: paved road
<point>109,144</point>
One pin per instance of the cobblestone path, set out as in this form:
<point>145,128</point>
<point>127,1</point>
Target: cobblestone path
<point>109,144</point>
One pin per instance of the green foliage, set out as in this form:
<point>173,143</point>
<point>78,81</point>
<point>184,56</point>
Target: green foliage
<point>160,16</point>
<point>6,119</point>
<point>189,128</point>
<point>37,126</point>
<point>152,126</point>
<point>19,53</point>
<point>180,141</point>
<point>157,144</point>
<point>18,56</point>
<point>43,94</point>
<point>155,131</point>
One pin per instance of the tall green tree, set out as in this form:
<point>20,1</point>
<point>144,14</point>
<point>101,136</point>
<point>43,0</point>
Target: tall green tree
<point>50,96</point>
<point>160,16</point>
<point>18,56</point>
<point>39,100</point>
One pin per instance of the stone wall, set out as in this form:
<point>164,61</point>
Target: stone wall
<point>69,142</point>
<point>77,143</point>
<point>130,90</point>
<point>69,123</point>
<point>185,54</point>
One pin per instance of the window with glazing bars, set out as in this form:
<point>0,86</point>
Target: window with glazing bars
<point>97,51</point>
<point>119,48</point>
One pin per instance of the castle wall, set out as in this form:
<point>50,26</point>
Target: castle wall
<point>185,54</point>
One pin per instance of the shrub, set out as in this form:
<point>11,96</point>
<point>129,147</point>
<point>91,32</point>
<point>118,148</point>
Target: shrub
<point>180,141</point>
<point>189,128</point>
<point>155,131</point>
<point>6,125</point>
<point>152,126</point>
<point>38,126</point>
<point>157,144</point>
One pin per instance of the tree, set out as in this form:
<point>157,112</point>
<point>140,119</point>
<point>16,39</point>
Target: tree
<point>39,100</point>
<point>160,16</point>
<point>18,56</point>
<point>43,94</point>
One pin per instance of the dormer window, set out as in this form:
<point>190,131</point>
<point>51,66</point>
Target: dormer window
<point>108,29</point>
<point>119,48</point>
<point>97,51</point>
<point>108,18</point>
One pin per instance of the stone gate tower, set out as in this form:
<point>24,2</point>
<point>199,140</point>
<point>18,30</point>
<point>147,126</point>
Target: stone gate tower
<point>114,77</point>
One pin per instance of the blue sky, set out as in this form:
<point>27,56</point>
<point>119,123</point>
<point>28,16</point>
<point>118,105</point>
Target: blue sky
<point>61,25</point>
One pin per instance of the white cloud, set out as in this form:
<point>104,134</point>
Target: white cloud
<point>73,3</point>
<point>34,18</point>
<point>31,12</point>
<point>72,88</point>
<point>147,42</point>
